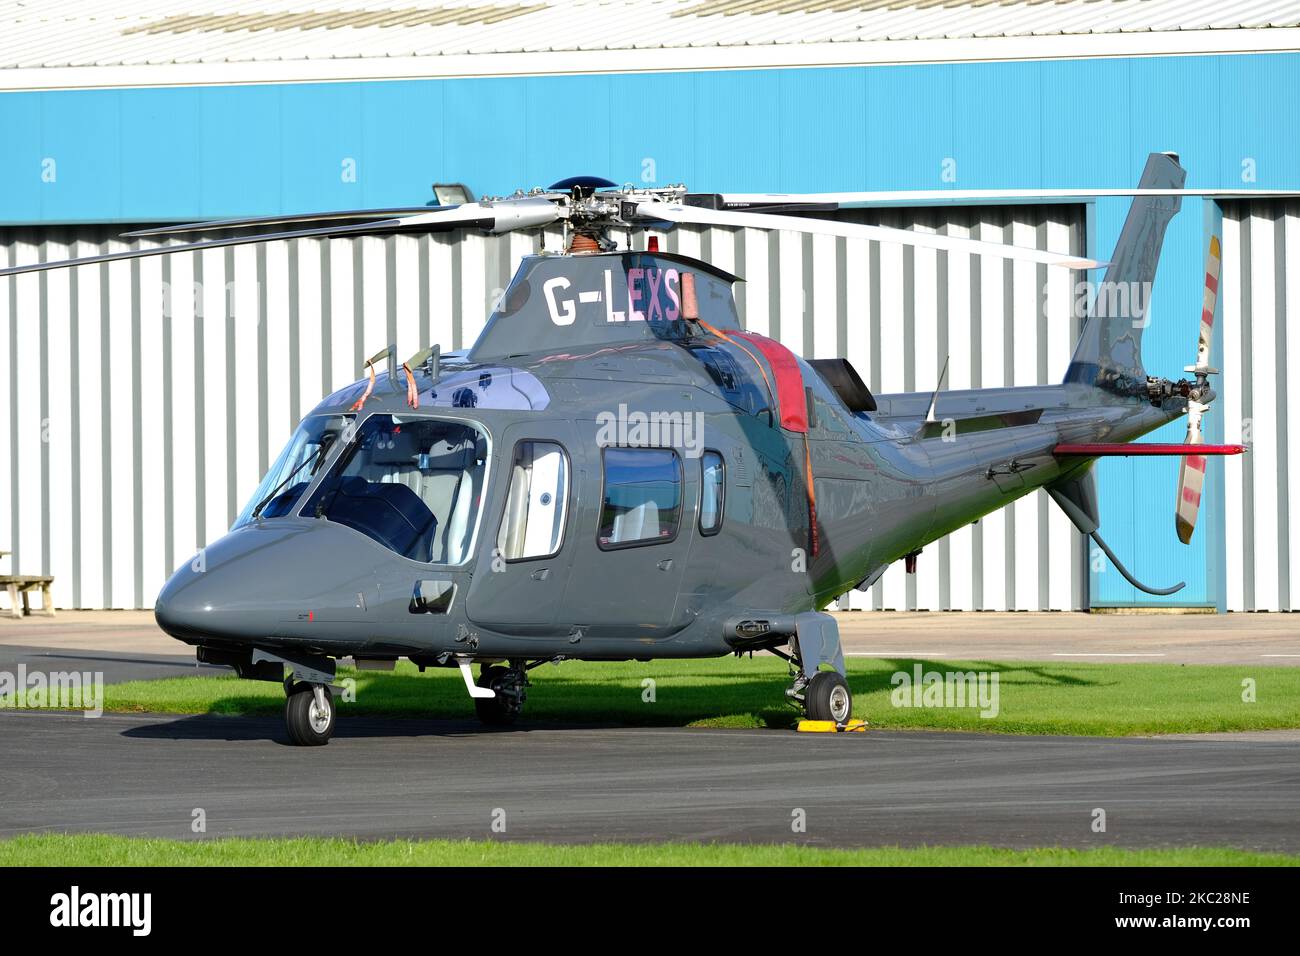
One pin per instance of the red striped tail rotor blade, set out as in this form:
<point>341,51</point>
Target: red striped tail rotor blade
<point>1191,479</point>
<point>1191,476</point>
<point>1191,472</point>
<point>1212,262</point>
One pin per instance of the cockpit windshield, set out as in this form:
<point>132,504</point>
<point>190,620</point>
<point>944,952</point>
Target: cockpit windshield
<point>294,470</point>
<point>412,484</point>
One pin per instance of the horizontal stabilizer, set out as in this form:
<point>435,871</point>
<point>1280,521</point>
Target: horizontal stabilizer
<point>1130,449</point>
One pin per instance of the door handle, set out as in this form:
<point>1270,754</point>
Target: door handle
<point>541,574</point>
<point>666,564</point>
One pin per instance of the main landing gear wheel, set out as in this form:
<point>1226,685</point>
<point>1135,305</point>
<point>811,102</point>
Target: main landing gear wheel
<point>827,697</point>
<point>501,710</point>
<point>309,715</point>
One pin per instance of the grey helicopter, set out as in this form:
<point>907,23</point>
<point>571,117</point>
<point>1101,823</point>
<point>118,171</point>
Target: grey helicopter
<point>616,469</point>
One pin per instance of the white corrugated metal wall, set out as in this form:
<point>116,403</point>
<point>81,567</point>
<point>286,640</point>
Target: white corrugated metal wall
<point>141,415</point>
<point>1261,298</point>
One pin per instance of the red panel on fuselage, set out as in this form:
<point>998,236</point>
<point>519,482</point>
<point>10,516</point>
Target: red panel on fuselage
<point>789,380</point>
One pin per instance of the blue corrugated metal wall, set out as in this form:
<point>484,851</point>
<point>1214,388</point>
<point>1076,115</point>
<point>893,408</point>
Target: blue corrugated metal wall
<point>190,153</point>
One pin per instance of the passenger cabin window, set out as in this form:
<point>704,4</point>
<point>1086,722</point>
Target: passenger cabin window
<point>713,491</point>
<point>642,503</point>
<point>412,484</point>
<point>537,502</point>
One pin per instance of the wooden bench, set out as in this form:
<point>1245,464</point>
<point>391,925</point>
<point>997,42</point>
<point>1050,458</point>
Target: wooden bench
<point>24,584</point>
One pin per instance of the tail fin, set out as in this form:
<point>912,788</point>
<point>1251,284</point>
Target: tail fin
<point>1109,353</point>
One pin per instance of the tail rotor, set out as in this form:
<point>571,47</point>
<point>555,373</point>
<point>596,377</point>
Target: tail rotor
<point>1191,473</point>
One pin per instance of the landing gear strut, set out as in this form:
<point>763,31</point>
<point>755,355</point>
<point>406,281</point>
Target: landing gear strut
<point>508,684</point>
<point>309,714</point>
<point>822,694</point>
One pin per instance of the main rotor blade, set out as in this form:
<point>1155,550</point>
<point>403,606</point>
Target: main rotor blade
<point>673,212</point>
<point>217,225</point>
<point>492,217</point>
<point>387,225</point>
<point>902,197</point>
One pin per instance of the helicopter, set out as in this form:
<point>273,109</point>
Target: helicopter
<point>617,470</point>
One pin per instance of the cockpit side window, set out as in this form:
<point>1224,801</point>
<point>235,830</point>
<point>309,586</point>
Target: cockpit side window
<point>412,484</point>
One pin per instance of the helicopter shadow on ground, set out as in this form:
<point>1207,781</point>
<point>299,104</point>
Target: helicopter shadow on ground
<point>234,728</point>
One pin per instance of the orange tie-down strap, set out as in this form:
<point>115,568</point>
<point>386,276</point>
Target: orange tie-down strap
<point>718,333</point>
<point>412,393</point>
<point>360,403</point>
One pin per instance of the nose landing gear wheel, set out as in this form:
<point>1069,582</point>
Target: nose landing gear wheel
<point>309,715</point>
<point>827,697</point>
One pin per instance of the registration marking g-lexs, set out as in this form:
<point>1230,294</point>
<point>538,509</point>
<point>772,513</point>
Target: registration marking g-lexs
<point>649,295</point>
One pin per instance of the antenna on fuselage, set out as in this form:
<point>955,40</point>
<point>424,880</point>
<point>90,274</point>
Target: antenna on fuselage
<point>934,399</point>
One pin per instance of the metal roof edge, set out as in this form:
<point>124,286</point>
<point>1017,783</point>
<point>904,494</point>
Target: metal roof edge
<point>658,60</point>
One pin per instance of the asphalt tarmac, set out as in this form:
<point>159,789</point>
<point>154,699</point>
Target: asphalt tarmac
<point>148,774</point>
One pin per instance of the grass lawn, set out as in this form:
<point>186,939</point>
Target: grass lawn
<point>100,850</point>
<point>1034,698</point>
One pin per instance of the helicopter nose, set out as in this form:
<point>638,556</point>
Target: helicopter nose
<point>244,587</point>
<point>188,607</point>
<point>222,592</point>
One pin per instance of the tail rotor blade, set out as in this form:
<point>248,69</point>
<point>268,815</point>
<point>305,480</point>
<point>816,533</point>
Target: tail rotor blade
<point>1191,476</point>
<point>1212,261</point>
<point>1191,472</point>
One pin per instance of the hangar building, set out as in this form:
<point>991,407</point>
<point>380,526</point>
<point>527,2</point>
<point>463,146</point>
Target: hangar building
<point>134,429</point>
